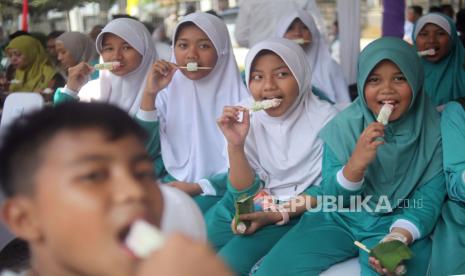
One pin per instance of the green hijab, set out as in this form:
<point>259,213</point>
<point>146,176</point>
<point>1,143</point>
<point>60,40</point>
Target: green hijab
<point>412,151</point>
<point>445,80</point>
<point>39,72</point>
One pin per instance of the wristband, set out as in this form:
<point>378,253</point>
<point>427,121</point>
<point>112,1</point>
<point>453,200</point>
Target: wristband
<point>394,236</point>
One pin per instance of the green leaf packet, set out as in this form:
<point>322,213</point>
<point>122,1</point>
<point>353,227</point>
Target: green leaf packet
<point>243,205</point>
<point>390,254</point>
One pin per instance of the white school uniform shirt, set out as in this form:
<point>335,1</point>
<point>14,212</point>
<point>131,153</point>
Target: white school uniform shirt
<point>327,74</point>
<point>192,145</point>
<point>123,91</point>
<point>286,152</point>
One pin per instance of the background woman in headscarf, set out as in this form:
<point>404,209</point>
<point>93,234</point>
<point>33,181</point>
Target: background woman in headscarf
<point>327,75</point>
<point>188,103</point>
<point>396,170</point>
<point>123,40</point>
<point>34,71</point>
<point>74,47</point>
<point>444,71</point>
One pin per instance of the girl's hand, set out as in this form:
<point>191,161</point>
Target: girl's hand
<point>159,76</point>
<point>367,145</point>
<point>257,221</point>
<point>78,76</point>
<point>235,132</point>
<point>398,234</point>
<point>191,189</point>
<point>376,265</point>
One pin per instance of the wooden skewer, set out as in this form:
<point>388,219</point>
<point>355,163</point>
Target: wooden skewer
<point>362,246</point>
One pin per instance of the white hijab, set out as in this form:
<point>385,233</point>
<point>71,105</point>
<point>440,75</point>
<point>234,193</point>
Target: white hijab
<point>124,91</point>
<point>327,74</point>
<point>192,145</point>
<point>286,151</point>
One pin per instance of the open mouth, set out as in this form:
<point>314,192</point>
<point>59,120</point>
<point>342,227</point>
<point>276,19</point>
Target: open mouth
<point>123,233</point>
<point>391,102</point>
<point>121,237</point>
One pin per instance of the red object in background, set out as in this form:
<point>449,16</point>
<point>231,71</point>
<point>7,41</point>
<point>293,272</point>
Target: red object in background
<point>24,25</point>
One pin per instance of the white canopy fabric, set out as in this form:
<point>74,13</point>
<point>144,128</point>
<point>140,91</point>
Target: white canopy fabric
<point>257,19</point>
<point>349,36</point>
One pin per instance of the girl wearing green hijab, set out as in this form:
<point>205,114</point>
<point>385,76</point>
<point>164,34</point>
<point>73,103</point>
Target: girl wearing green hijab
<point>449,236</point>
<point>34,71</point>
<point>444,70</point>
<point>394,170</point>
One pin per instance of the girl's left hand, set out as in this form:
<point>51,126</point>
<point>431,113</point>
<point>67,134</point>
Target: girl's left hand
<point>192,189</point>
<point>257,221</point>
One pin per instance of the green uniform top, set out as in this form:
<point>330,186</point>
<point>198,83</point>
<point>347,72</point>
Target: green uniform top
<point>449,235</point>
<point>408,166</point>
<point>453,141</point>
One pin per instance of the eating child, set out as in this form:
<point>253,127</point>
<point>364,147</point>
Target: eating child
<point>76,177</point>
<point>275,151</point>
<point>187,103</point>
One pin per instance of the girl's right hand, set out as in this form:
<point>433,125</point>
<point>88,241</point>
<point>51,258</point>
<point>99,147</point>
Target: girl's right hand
<point>160,76</point>
<point>367,145</point>
<point>234,131</point>
<point>78,76</point>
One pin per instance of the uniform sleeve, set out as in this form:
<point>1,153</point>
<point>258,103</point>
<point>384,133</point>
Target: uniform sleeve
<point>63,94</point>
<point>214,185</point>
<point>148,121</point>
<point>453,139</point>
<point>250,191</point>
<point>424,207</point>
<point>332,167</point>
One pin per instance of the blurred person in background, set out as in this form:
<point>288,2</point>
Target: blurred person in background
<point>413,13</point>
<point>34,70</point>
<point>74,47</point>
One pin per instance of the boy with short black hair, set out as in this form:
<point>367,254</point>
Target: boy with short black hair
<point>76,177</point>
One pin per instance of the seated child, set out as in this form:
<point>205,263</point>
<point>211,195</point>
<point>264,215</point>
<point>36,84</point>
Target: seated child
<point>75,178</point>
<point>276,151</point>
<point>187,104</point>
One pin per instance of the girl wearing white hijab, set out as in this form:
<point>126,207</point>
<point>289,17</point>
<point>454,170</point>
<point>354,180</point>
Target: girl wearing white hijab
<point>123,40</point>
<point>327,75</point>
<point>276,151</point>
<point>73,47</point>
<point>187,104</point>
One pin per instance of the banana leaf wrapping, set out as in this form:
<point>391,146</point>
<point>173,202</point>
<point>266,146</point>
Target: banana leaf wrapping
<point>390,254</point>
<point>244,205</point>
